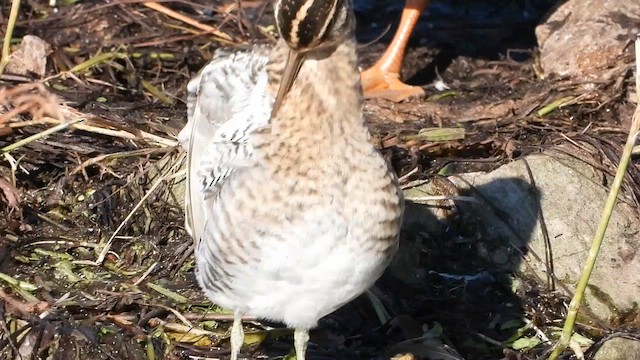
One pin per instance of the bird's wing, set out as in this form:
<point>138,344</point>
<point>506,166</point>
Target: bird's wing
<point>227,101</point>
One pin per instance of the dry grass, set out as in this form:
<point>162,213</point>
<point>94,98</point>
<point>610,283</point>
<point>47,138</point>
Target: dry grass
<point>95,259</point>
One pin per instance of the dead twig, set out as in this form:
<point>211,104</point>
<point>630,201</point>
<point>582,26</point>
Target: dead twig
<point>33,98</point>
<point>95,128</point>
<point>25,309</point>
<point>40,135</point>
<point>209,29</point>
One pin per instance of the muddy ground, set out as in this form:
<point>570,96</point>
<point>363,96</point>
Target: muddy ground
<point>73,189</point>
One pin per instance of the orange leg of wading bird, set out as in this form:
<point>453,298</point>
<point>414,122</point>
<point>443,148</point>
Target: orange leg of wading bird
<point>382,80</point>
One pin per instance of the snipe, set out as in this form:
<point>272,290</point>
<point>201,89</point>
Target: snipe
<point>293,211</point>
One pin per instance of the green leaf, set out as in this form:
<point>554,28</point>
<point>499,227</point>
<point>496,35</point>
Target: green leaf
<point>526,343</point>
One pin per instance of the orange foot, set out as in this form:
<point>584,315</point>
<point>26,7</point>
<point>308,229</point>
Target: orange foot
<point>377,83</point>
<point>383,79</point>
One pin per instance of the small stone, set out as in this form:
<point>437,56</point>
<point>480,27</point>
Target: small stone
<point>583,39</point>
<point>566,193</point>
<point>30,57</point>
<point>619,349</point>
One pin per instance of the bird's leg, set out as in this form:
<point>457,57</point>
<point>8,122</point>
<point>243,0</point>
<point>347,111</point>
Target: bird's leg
<point>383,78</point>
<point>237,336</point>
<point>300,340</point>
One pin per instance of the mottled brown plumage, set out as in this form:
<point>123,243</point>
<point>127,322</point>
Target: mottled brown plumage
<point>294,214</point>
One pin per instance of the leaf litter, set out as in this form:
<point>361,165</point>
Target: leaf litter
<point>86,141</point>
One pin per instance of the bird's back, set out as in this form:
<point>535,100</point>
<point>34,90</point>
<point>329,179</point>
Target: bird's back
<point>226,101</point>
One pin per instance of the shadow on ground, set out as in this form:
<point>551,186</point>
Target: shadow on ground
<point>448,29</point>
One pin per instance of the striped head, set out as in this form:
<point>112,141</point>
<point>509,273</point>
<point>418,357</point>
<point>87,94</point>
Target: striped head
<point>308,25</point>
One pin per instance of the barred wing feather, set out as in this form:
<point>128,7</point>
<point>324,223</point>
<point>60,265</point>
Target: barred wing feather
<point>227,101</point>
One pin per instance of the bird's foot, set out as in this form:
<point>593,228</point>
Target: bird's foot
<point>378,83</point>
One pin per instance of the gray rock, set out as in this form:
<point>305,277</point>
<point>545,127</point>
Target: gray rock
<point>619,349</point>
<point>567,194</point>
<point>584,38</point>
<point>571,199</point>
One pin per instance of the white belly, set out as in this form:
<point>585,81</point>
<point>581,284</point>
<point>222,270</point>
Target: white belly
<point>300,280</point>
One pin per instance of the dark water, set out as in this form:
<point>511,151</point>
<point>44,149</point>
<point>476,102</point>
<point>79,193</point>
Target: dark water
<point>468,27</point>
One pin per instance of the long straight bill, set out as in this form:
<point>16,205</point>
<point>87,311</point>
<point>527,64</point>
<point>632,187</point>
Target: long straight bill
<point>294,62</point>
